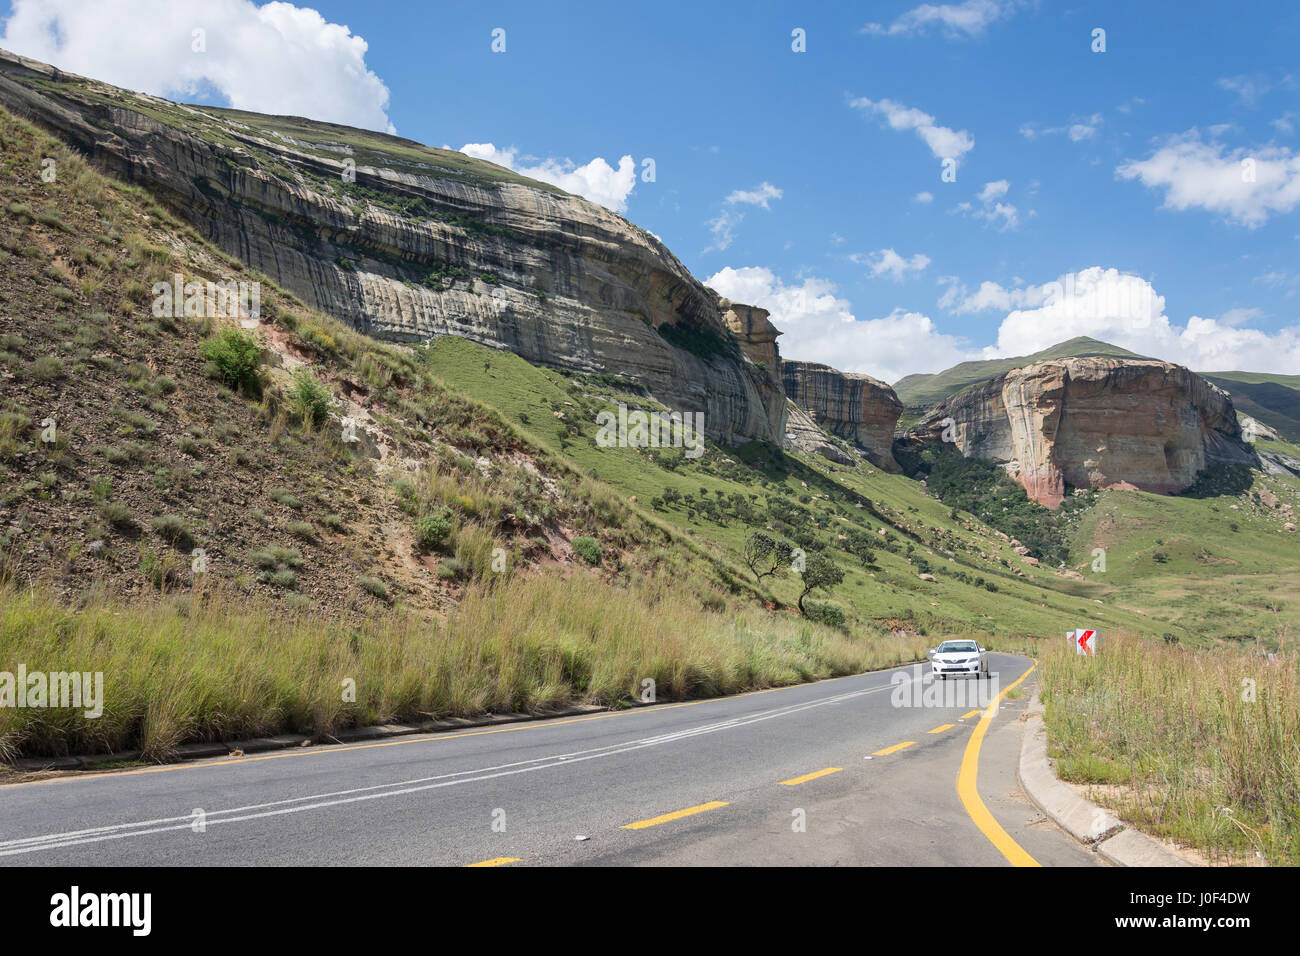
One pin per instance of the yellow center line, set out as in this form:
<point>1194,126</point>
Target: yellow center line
<point>969,715</point>
<point>940,729</point>
<point>894,749</point>
<point>675,815</point>
<point>969,792</point>
<point>495,861</point>
<point>795,781</point>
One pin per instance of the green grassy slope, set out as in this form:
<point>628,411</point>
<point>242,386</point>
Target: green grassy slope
<point>1133,594</point>
<point>1272,399</point>
<point>919,392</point>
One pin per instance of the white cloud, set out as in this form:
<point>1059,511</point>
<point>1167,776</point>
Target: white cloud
<point>724,226</point>
<point>989,297</point>
<point>275,58</point>
<point>1247,88</point>
<point>965,20</point>
<point>944,142</point>
<point>1078,129</point>
<point>1126,310</point>
<point>1105,304</point>
<point>760,196</point>
<point>1081,131</point>
<point>723,229</point>
<point>819,326</point>
<point>923,197</point>
<point>1197,174</point>
<point>596,180</point>
<point>1002,216</point>
<point>887,262</point>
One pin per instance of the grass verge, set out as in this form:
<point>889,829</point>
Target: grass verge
<point>214,666</point>
<point>1201,746</point>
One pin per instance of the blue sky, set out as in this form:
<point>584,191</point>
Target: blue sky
<point>810,182</point>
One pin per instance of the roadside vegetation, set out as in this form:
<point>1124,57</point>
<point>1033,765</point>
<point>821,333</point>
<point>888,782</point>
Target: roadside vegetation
<point>220,666</point>
<point>1201,746</point>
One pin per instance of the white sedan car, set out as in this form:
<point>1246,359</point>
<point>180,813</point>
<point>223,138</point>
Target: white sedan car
<point>953,658</point>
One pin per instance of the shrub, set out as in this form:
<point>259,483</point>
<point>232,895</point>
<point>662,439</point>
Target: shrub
<point>116,514</point>
<point>276,556</point>
<point>285,497</point>
<point>302,529</point>
<point>373,586</point>
<point>433,529</point>
<point>309,399</point>
<point>586,548</point>
<point>830,615</point>
<point>235,356</point>
<point>173,530</point>
<point>46,368</point>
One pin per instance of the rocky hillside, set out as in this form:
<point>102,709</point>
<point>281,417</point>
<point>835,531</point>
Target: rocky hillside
<point>405,242</point>
<point>858,408</point>
<point>1099,422</point>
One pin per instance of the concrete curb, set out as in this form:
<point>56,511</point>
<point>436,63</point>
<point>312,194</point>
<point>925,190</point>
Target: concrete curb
<point>204,751</point>
<point>1082,819</point>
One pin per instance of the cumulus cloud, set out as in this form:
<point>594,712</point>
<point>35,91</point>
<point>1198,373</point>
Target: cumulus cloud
<point>819,326</point>
<point>1103,303</point>
<point>923,197</point>
<point>887,262</point>
<point>989,297</point>
<point>596,180</point>
<point>944,142</point>
<point>1126,310</point>
<point>274,58</point>
<point>960,20</point>
<point>1243,186</point>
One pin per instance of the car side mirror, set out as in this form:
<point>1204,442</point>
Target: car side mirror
<point>930,652</point>
<point>981,650</point>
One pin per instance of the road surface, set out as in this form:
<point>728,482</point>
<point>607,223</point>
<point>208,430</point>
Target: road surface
<point>830,773</point>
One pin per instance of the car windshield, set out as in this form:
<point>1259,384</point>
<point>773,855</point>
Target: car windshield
<point>951,647</point>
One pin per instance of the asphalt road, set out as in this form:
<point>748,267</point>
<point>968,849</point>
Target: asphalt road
<point>774,777</point>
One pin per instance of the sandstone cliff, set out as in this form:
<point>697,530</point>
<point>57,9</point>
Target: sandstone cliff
<point>858,408</point>
<point>406,242</point>
<point>1108,423</point>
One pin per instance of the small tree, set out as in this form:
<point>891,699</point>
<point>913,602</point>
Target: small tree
<point>819,572</point>
<point>765,555</point>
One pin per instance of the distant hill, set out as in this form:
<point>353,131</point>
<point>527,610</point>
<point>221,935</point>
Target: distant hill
<point>920,392</point>
<point>1272,399</point>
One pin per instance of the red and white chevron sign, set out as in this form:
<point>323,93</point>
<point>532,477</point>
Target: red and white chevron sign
<point>1084,641</point>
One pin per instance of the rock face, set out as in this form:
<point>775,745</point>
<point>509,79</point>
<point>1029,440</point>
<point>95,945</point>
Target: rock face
<point>802,433</point>
<point>405,242</point>
<point>858,408</point>
<point>1108,423</point>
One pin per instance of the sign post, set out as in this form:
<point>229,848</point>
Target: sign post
<point>1084,641</point>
